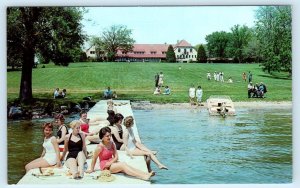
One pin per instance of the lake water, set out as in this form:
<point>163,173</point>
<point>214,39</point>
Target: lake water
<point>253,147</point>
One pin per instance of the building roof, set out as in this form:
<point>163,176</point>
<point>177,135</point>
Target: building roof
<point>148,48</point>
<point>147,51</point>
<point>183,43</point>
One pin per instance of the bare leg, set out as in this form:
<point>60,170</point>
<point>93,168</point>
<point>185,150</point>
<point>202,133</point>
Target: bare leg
<point>123,167</point>
<point>139,152</point>
<point>148,161</point>
<point>72,165</point>
<point>94,138</point>
<point>81,160</point>
<point>39,162</point>
<point>144,148</point>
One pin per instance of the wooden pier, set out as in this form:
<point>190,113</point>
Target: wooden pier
<point>60,174</point>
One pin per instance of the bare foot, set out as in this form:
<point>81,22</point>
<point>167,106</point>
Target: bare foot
<point>152,173</point>
<point>148,176</point>
<point>163,167</point>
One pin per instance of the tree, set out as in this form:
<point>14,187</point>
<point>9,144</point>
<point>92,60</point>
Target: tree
<point>51,32</point>
<point>252,52</point>
<point>170,55</point>
<point>240,37</point>
<point>217,43</point>
<point>201,54</point>
<point>115,38</point>
<point>274,32</point>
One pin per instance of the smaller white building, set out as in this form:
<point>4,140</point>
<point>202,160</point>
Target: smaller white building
<point>185,52</point>
<point>91,53</point>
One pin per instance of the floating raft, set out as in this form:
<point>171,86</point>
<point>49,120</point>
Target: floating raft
<point>61,176</point>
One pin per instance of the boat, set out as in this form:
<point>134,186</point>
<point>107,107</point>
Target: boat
<point>220,105</point>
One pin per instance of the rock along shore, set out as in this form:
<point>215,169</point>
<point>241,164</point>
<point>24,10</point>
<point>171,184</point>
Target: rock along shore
<point>144,105</point>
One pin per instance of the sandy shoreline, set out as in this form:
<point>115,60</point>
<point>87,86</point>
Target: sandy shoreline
<point>259,104</point>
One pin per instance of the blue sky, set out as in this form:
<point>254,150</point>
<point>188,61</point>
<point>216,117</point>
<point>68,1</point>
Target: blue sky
<point>157,25</point>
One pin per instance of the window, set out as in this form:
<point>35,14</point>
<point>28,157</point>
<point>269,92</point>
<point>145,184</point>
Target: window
<point>138,52</point>
<point>153,52</point>
<point>164,52</point>
<point>178,49</point>
<point>191,50</point>
<point>184,51</point>
<point>124,52</point>
<point>92,52</point>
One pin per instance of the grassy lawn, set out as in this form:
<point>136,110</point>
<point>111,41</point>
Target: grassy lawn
<point>135,81</point>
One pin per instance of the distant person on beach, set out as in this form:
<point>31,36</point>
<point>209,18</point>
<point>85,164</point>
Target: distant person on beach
<point>208,75</point>
<point>56,93</point>
<point>192,92</point>
<point>249,77</point>
<point>111,105</point>
<point>15,111</point>
<point>50,155</point>
<point>59,120</point>
<point>251,90</point>
<point>114,95</point>
<point>64,93</point>
<point>199,94</point>
<point>156,78</point>
<point>157,91</point>
<point>215,75</point>
<point>107,94</point>
<point>255,90</point>
<point>108,157</point>
<point>76,148</point>
<point>221,76</point>
<point>136,148</point>
<point>167,91</point>
<point>161,79</point>
<point>263,88</point>
<point>230,80</point>
<point>244,76</point>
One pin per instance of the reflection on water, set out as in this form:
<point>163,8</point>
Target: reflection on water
<point>253,147</point>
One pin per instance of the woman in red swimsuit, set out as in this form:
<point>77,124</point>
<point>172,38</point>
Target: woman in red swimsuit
<point>108,156</point>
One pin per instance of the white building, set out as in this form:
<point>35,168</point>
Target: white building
<point>91,53</point>
<point>185,52</point>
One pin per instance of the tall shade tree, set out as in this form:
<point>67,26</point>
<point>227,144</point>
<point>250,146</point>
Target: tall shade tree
<point>170,55</point>
<point>115,38</point>
<point>240,36</point>
<point>201,54</point>
<point>217,42</point>
<point>274,32</point>
<point>51,32</point>
<point>252,52</point>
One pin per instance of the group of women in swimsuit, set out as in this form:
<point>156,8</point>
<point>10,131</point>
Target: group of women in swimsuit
<point>109,138</point>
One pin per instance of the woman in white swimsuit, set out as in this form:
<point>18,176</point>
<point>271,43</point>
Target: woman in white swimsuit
<point>50,155</point>
<point>135,148</point>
